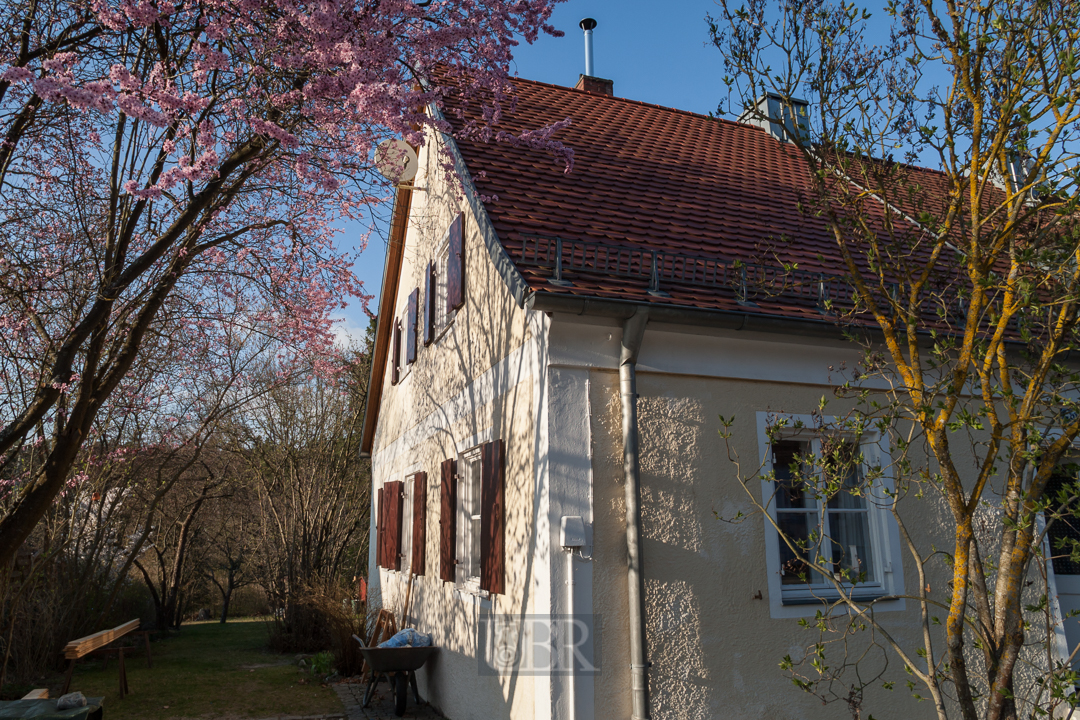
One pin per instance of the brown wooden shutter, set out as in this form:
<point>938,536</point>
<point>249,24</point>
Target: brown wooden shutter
<point>385,515</point>
<point>380,531</point>
<point>395,504</point>
<point>455,266</point>
<point>395,356</point>
<point>419,522</point>
<point>492,517</point>
<point>410,337</point>
<point>429,303</point>
<point>448,520</point>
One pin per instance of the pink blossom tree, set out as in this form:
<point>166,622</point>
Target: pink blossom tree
<point>178,168</point>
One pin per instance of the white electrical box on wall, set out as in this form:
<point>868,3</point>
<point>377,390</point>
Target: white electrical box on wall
<point>572,531</point>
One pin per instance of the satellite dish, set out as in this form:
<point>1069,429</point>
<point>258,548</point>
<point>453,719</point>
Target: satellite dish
<point>396,161</point>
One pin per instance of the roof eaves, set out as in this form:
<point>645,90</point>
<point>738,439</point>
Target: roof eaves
<point>391,273</point>
<point>748,321</point>
<point>506,268</point>
<point>701,317</point>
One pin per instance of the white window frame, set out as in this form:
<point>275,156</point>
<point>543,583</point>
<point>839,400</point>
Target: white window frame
<point>443,319</point>
<point>407,510</point>
<point>468,451</point>
<point>805,600</point>
<point>467,571</point>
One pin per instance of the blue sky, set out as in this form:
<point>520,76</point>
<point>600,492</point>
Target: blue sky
<point>653,51</point>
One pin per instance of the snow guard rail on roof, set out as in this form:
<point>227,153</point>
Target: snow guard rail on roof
<point>747,281</point>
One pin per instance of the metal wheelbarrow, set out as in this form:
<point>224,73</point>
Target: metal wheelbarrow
<point>398,666</point>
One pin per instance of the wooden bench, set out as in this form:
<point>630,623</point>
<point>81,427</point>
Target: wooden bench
<point>96,644</point>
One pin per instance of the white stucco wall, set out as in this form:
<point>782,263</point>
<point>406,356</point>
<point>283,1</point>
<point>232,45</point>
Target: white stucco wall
<point>713,641</point>
<point>477,382</point>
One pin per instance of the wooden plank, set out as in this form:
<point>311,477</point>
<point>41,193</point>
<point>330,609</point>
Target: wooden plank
<point>455,267</point>
<point>37,694</point>
<point>419,534</point>
<point>77,648</point>
<point>429,303</point>
<point>447,519</point>
<point>380,530</point>
<point>382,630</point>
<point>492,517</point>
<point>395,503</point>
<point>411,320</point>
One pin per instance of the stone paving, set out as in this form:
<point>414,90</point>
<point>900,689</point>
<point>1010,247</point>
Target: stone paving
<point>382,703</point>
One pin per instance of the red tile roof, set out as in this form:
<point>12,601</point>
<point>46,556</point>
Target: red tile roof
<point>699,191</point>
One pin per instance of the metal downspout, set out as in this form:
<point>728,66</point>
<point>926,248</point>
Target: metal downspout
<point>633,332</point>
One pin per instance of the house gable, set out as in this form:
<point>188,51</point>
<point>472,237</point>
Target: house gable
<point>475,215</point>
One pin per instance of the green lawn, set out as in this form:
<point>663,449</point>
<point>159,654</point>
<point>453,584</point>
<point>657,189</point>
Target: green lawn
<point>207,670</point>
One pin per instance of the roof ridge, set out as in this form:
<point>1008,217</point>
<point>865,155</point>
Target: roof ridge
<point>632,101</point>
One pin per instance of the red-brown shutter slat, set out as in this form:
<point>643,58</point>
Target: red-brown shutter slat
<point>448,520</point>
<point>410,336</point>
<point>455,266</point>
<point>419,518</point>
<point>492,517</point>
<point>380,531</point>
<point>395,504</point>
<point>429,303</point>
<point>395,356</point>
<point>387,544</point>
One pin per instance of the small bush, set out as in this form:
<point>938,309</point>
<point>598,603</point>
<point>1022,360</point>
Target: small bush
<point>319,621</point>
<point>322,664</point>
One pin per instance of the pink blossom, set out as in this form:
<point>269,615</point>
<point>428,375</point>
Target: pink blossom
<point>16,75</point>
<point>239,235</point>
<point>60,62</point>
<point>262,127</point>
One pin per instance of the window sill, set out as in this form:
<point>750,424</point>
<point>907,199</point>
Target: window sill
<point>826,596</point>
<point>441,332</point>
<point>471,587</point>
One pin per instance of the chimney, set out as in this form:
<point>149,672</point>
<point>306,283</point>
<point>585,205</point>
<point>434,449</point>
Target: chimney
<point>588,82</point>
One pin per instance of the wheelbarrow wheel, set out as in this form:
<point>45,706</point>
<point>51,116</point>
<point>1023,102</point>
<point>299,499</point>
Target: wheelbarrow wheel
<point>401,690</point>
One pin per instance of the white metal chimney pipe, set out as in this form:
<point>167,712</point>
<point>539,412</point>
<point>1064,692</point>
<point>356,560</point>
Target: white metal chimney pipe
<point>587,25</point>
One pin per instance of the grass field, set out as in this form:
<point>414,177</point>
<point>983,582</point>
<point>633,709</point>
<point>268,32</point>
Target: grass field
<point>207,670</point>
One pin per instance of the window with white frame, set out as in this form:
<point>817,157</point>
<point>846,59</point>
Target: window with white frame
<point>828,518</point>
<point>469,516</point>
<point>828,496</point>
<point>440,317</point>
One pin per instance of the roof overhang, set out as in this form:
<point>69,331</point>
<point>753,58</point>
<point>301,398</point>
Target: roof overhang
<point>395,248</point>
<point>825,328</point>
